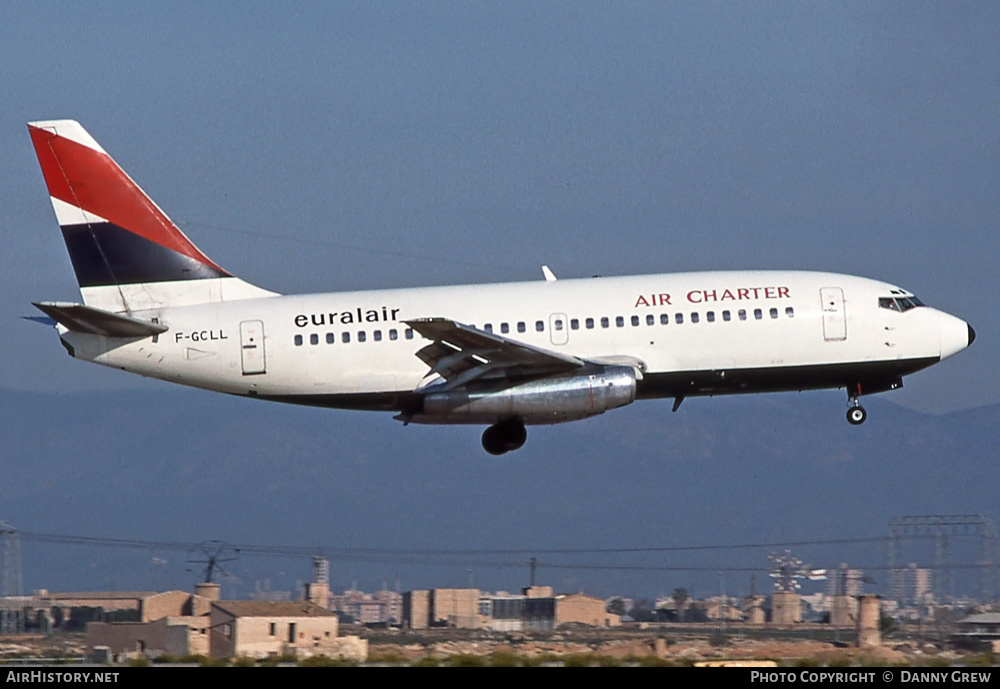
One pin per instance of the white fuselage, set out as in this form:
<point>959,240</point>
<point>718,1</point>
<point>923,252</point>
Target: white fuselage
<point>686,334</point>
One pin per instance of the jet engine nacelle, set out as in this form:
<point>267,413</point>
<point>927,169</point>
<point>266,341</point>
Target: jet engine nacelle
<point>547,400</point>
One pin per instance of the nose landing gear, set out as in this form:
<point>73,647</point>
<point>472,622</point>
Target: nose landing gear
<point>504,437</point>
<point>856,415</point>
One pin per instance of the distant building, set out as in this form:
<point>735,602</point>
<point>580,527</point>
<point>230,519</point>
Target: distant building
<point>318,591</point>
<point>381,607</point>
<point>722,608</point>
<point>845,581</point>
<point>917,585</point>
<point>502,613</point>
<point>582,609</point>
<point>538,609</point>
<point>417,609</point>
<point>262,629</point>
<point>983,627</point>
<point>228,629</point>
<point>753,609</point>
<point>176,636</point>
<point>173,623</point>
<point>786,607</point>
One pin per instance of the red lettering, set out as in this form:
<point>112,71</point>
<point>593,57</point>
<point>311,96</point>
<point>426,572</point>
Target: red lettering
<point>691,296</point>
<point>664,299</point>
<point>743,292</point>
<point>710,296</point>
<point>727,295</point>
<point>641,301</point>
<point>783,292</point>
<point>769,293</point>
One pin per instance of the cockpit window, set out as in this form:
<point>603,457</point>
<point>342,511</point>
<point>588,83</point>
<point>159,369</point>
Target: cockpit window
<point>899,303</point>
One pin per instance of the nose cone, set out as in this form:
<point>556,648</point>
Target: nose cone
<point>956,335</point>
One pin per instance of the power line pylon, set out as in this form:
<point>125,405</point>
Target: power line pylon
<point>12,595</point>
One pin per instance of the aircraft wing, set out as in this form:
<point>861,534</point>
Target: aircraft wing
<point>460,353</point>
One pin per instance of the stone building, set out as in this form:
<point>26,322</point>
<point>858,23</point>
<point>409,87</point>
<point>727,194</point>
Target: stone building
<point>170,623</point>
<point>262,629</point>
<point>583,609</point>
<point>457,608</point>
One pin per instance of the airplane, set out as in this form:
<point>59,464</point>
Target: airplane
<point>501,355</point>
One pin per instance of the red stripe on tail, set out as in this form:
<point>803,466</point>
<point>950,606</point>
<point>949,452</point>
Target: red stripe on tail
<point>91,180</point>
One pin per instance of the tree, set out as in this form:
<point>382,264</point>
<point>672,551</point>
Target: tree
<point>641,611</point>
<point>681,598</point>
<point>616,606</point>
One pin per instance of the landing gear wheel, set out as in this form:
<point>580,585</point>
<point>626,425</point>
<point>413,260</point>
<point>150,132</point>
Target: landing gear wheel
<point>856,415</point>
<point>504,437</point>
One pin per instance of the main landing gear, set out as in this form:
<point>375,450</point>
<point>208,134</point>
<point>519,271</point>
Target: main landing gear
<point>856,415</point>
<point>504,437</point>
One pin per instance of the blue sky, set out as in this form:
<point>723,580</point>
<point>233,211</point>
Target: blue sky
<point>327,146</point>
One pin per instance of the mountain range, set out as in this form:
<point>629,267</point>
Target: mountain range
<point>659,500</point>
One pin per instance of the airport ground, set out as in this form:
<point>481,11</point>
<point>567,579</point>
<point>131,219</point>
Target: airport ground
<point>661,644</point>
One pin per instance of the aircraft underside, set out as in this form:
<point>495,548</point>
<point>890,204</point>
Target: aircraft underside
<point>506,432</point>
<point>872,376</point>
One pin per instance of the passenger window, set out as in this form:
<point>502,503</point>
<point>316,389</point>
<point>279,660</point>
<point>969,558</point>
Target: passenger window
<point>558,324</point>
<point>590,324</point>
<point>505,328</point>
<point>539,326</point>
<point>377,335</point>
<point>694,316</point>
<point>710,316</point>
<point>774,313</point>
<point>520,326</point>
<point>650,319</point>
<point>488,327</point>
<point>678,318</point>
<point>345,337</point>
<point>361,336</point>
<point>298,340</point>
<point>743,314</point>
<point>605,322</point>
<point>635,320</point>
<point>758,314</point>
<point>725,316</point>
<point>790,312</point>
<point>408,333</point>
<point>620,321</point>
<point>314,339</point>
<point>574,323</point>
<point>330,338</point>
<point>392,335</point>
<point>664,319</point>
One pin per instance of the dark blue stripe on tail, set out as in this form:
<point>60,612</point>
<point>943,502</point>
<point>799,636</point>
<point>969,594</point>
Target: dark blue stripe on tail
<point>106,254</point>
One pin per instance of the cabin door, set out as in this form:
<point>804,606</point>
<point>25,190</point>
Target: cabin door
<point>834,314</point>
<point>252,347</point>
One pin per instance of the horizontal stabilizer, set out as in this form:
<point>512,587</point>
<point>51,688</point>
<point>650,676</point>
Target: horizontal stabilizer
<point>87,319</point>
<point>44,320</point>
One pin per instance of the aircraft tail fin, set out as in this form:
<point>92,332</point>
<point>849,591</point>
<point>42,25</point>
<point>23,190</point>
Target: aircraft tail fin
<point>127,254</point>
